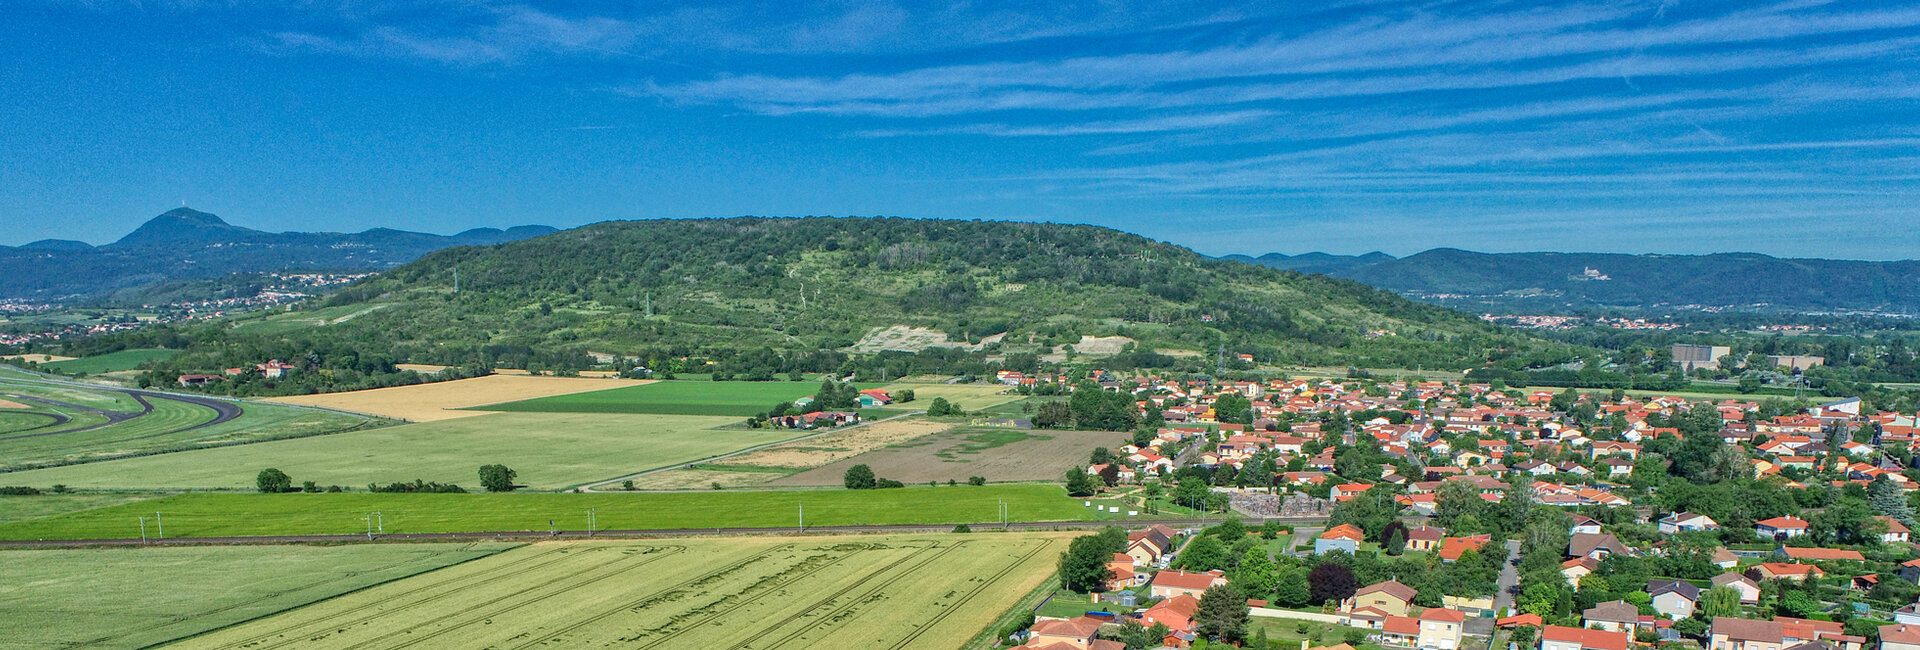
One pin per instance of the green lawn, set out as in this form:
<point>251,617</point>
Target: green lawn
<point>678,397</point>
<point>549,450</point>
<point>140,597</point>
<point>110,362</point>
<point>204,514</point>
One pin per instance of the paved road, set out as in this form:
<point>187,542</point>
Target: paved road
<point>535,535</point>
<point>595,487</point>
<point>1503,596</point>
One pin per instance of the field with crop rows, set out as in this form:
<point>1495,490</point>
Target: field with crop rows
<point>140,597</point>
<point>679,397</point>
<point>996,454</point>
<point>548,451</point>
<point>216,515</point>
<point>931,591</point>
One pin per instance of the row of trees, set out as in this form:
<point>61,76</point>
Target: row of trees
<point>494,478</point>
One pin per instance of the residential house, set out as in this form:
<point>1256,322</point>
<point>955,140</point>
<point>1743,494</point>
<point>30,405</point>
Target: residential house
<point>1724,558</point>
<point>1584,525</point>
<point>1390,597</point>
<point>1167,584</point>
<point>1900,636</point>
<point>1744,634</point>
<point>1749,592</point>
<point>1780,527</point>
<point>1785,571</point>
<point>1440,628</point>
<point>1910,571</point>
<point>1578,568</point>
<point>1344,537</point>
<point>1176,613</point>
<point>1425,538</point>
<point>1816,554</point>
<point>1453,547</point>
<point>1613,616</point>
<point>1673,598</point>
<point>1685,522</point>
<point>1065,633</point>
<point>1909,615</point>
<point>1896,532</point>
<point>1148,546</point>
<point>1555,637</point>
<point>1596,546</point>
<point>1400,631</point>
<point>1120,573</point>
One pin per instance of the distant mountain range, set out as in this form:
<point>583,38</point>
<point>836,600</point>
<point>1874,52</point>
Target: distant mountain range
<point>184,244</point>
<point>1559,282</point>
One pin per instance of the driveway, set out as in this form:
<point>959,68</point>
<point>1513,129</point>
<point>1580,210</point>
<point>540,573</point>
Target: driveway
<point>1503,596</point>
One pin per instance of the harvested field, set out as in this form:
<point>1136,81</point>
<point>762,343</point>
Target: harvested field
<point>440,400</point>
<point>971,397</point>
<point>997,454</point>
<point>928,591</point>
<point>10,404</point>
<point>814,452</point>
<point>422,368</point>
<point>141,597</point>
<point>700,479</point>
<point>39,358</point>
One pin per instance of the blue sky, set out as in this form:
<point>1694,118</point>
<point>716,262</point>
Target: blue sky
<point>1786,128</point>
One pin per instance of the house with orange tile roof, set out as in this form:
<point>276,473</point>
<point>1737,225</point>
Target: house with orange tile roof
<point>1786,571</point>
<point>1167,584</point>
<point>1344,537</point>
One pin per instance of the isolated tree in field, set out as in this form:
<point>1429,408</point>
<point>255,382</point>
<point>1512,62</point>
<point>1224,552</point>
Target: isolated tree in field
<point>1331,582</point>
<point>939,407</point>
<point>272,481</point>
<point>1222,615</point>
<point>859,477</point>
<point>497,478</point>
<point>1053,415</point>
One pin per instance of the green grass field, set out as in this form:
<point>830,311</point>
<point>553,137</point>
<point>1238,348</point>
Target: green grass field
<point>22,508</point>
<point>140,597</point>
<point>549,450</point>
<point>165,429</point>
<point>204,515</point>
<point>730,398</point>
<point>111,362</point>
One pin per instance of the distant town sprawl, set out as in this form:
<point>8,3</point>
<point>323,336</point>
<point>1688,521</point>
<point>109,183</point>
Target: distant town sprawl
<point>269,290</point>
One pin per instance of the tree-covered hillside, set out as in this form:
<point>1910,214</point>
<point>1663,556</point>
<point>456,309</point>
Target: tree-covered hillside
<point>760,297</point>
<point>824,283</point>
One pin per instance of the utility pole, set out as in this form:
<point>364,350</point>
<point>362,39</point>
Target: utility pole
<point>143,530</point>
<point>456,279</point>
<point>369,520</point>
<point>649,304</point>
<point>161,525</point>
<point>803,518</point>
<point>589,522</point>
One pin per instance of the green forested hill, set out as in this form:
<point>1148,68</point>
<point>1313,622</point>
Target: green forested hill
<point>763,295</point>
<point>824,283</point>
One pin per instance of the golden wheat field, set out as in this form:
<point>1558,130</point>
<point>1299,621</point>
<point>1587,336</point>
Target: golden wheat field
<point>919,591</point>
